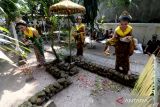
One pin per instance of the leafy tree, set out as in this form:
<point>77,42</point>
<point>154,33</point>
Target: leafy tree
<point>8,44</point>
<point>40,7</point>
<point>11,10</point>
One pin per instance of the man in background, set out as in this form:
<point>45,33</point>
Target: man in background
<point>152,45</point>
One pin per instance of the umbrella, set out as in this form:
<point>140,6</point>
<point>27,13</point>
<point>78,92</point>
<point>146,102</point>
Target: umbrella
<point>67,7</point>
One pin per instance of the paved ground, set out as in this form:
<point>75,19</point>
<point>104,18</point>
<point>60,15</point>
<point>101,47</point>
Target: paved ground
<point>13,88</point>
<point>90,90</point>
<point>137,60</point>
<point>87,90</point>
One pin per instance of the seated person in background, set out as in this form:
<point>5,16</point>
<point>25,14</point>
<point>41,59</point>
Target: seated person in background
<point>110,33</point>
<point>105,36</point>
<point>94,35</point>
<point>152,45</point>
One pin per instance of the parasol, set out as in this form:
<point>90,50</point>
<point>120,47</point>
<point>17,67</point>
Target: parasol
<point>67,7</point>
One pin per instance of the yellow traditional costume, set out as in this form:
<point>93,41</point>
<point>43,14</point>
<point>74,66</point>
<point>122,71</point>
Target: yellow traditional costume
<point>29,33</point>
<point>120,34</point>
<point>124,44</point>
<point>37,44</point>
<point>79,36</point>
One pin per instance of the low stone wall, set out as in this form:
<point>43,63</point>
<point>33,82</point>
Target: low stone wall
<point>142,31</point>
<point>43,96</point>
<point>61,69</point>
<point>128,80</point>
<point>48,92</point>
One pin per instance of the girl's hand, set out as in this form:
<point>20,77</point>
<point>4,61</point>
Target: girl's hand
<point>24,39</point>
<point>28,42</point>
<point>25,43</point>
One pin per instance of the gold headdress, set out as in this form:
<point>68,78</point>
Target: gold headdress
<point>125,16</point>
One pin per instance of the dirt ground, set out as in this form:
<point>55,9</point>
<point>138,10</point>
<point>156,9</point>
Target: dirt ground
<point>13,87</point>
<point>90,90</point>
<point>87,90</point>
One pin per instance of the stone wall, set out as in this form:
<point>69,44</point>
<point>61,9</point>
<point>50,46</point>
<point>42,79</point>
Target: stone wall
<point>142,31</point>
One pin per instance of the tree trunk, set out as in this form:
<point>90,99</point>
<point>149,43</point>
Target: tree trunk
<point>54,51</point>
<point>15,37</point>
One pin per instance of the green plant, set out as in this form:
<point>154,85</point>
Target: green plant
<point>8,45</point>
<point>54,21</point>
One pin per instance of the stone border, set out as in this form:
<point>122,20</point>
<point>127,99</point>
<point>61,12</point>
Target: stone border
<point>46,94</point>
<point>127,80</point>
<point>61,69</point>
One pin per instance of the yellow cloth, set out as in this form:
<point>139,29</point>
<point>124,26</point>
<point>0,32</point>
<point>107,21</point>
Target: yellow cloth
<point>81,29</point>
<point>111,41</point>
<point>78,27</point>
<point>120,33</point>
<point>29,33</point>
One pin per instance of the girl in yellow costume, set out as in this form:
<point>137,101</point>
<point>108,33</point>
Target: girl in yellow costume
<point>33,35</point>
<point>79,36</point>
<point>123,31</point>
<point>123,42</point>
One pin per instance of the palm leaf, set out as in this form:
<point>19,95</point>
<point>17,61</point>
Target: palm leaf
<point>4,57</point>
<point>142,89</point>
<point>13,43</point>
<point>5,41</point>
<point>4,29</point>
<point>11,49</point>
<point>11,38</point>
<point>2,11</point>
<point>10,8</point>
